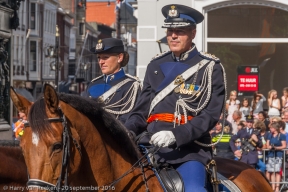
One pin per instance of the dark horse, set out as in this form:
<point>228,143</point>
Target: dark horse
<point>73,141</point>
<point>13,171</point>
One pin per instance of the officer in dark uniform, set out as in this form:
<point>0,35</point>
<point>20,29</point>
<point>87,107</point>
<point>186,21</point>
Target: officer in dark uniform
<point>182,98</point>
<point>118,90</point>
<point>250,140</point>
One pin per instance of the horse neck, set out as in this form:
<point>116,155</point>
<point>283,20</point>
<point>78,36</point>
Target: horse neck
<point>12,159</point>
<point>106,159</point>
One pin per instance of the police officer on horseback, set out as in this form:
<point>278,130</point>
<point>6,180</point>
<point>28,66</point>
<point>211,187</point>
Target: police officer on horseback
<point>117,89</point>
<point>182,98</point>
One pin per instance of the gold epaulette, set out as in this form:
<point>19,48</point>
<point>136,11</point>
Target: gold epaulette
<point>97,78</point>
<point>209,56</point>
<point>160,55</point>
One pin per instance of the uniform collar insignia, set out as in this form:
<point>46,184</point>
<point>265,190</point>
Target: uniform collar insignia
<point>99,45</point>
<point>173,12</point>
<point>115,76</point>
<point>188,54</point>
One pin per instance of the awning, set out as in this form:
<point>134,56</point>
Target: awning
<point>25,93</point>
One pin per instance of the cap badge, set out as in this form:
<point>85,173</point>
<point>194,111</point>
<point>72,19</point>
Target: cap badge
<point>173,12</point>
<point>99,45</point>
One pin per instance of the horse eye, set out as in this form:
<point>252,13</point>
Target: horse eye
<point>57,146</point>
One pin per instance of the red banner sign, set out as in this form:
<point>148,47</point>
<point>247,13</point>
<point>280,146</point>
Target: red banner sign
<point>248,82</point>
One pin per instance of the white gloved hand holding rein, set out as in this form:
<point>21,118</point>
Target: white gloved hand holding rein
<point>163,139</point>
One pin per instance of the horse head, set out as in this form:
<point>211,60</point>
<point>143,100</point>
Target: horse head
<point>46,140</point>
<point>72,141</point>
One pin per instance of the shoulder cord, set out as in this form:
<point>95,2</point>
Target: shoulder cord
<point>223,114</point>
<point>136,78</point>
<point>181,102</point>
<point>132,98</point>
<point>97,78</point>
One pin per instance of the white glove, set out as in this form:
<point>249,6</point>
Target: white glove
<point>163,139</point>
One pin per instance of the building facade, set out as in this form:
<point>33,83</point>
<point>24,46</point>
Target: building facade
<point>239,32</point>
<point>9,14</point>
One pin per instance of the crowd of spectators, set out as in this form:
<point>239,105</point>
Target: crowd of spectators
<point>255,133</point>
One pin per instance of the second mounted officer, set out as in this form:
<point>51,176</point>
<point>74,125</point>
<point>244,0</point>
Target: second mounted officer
<point>117,89</point>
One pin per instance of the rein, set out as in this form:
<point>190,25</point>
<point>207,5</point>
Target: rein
<point>65,158</point>
<point>135,165</point>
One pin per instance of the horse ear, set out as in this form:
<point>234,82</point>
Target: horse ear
<point>21,103</point>
<point>51,98</point>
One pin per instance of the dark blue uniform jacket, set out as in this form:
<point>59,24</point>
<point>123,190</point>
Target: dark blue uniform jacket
<point>160,72</point>
<point>252,156</point>
<point>100,85</point>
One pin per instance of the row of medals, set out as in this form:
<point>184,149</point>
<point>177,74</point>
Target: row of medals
<point>188,89</point>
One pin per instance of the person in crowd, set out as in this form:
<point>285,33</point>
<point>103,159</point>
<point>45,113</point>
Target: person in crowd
<point>173,103</point>
<point>237,116</point>
<point>282,126</point>
<point>276,141</point>
<point>285,119</point>
<point>257,103</point>
<point>250,140</point>
<point>274,104</point>
<point>245,108</point>
<point>284,99</point>
<point>260,127</point>
<point>227,124</point>
<point>115,88</point>
<point>241,125</point>
<point>262,116</point>
<point>275,119</point>
<point>222,148</point>
<point>18,127</point>
<point>231,105</point>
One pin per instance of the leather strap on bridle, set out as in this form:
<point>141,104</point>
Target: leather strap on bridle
<point>65,158</point>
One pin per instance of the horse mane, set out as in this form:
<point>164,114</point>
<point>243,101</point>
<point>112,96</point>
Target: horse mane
<point>9,143</point>
<point>91,109</point>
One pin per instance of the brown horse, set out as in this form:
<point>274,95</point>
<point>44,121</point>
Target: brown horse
<point>13,171</point>
<point>72,141</point>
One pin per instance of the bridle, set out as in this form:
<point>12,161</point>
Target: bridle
<point>66,135</point>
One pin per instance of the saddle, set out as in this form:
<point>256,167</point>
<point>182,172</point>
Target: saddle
<point>168,177</point>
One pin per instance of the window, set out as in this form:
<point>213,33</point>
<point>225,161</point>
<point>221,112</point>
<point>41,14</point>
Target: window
<point>33,56</point>
<point>250,35</point>
<point>81,28</point>
<point>33,16</point>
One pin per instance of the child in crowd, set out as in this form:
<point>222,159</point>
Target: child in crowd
<point>284,99</point>
<point>19,125</point>
<point>240,125</point>
<point>257,103</point>
<point>232,105</point>
<point>245,108</point>
<point>274,104</point>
